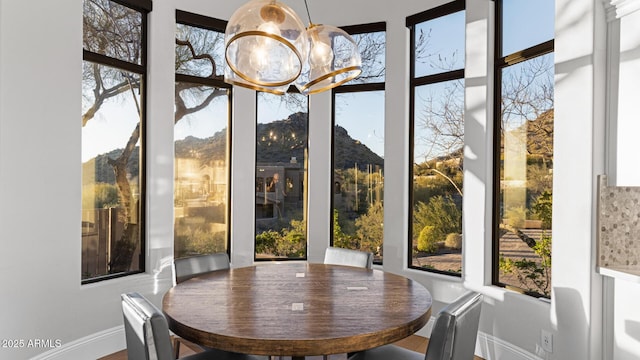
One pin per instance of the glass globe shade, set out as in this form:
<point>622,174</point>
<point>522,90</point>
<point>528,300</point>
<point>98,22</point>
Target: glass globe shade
<point>334,59</point>
<point>281,37</point>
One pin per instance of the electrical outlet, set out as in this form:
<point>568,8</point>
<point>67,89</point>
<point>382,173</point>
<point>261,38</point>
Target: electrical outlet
<point>546,338</point>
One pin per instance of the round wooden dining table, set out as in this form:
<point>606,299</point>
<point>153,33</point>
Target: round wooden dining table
<point>296,309</point>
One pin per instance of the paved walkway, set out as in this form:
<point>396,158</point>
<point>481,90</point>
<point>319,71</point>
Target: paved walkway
<point>511,246</point>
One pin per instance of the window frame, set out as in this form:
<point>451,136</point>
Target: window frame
<point>500,63</point>
<point>352,88</point>
<point>144,7</point>
<point>217,25</point>
<point>290,90</point>
<point>411,22</point>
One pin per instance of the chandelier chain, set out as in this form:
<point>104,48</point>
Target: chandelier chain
<point>308,15</point>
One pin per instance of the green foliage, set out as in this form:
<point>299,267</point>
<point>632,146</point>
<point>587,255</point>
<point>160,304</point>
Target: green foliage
<point>543,209</point>
<point>539,177</point>
<point>293,240</point>
<point>433,179</point>
<point>442,215</point>
<point>516,217</point>
<point>266,242</point>
<point>197,240</point>
<point>428,239</point>
<point>370,228</point>
<point>288,242</point>
<point>340,238</point>
<point>533,275</point>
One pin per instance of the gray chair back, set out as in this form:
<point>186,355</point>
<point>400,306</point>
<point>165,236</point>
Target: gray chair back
<point>348,257</point>
<point>454,333</point>
<point>186,268</point>
<point>146,329</point>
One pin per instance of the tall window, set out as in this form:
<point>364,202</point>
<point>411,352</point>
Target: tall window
<point>113,121</point>
<point>281,176</point>
<point>523,143</point>
<point>358,148</point>
<point>201,138</point>
<point>437,138</point>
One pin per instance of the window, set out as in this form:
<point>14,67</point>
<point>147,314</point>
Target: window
<point>358,148</point>
<point>437,138</point>
<point>281,176</point>
<point>523,146</point>
<point>113,122</point>
<point>201,138</point>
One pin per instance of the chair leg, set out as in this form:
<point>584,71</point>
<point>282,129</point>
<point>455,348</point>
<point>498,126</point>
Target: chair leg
<point>176,348</point>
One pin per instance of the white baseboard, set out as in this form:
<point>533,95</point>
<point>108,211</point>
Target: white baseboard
<point>489,347</point>
<point>112,340</point>
<point>93,346</point>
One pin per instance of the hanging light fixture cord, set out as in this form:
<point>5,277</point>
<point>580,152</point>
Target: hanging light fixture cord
<point>308,15</point>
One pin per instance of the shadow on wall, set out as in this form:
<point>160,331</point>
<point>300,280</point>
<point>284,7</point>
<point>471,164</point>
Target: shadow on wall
<point>571,339</point>
<point>512,326</point>
<point>632,328</point>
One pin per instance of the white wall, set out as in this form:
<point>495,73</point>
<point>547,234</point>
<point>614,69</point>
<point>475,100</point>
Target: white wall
<point>40,77</point>
<point>621,316</point>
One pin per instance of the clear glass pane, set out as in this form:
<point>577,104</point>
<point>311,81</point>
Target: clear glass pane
<point>112,30</point>
<point>526,23</point>
<point>358,173</point>
<point>440,45</point>
<point>438,144</point>
<point>199,52</point>
<point>281,176</point>
<point>201,183</point>
<point>111,166</point>
<point>526,175</point>
<point>372,48</point>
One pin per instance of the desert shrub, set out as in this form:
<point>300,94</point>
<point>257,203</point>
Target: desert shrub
<point>266,242</point>
<point>428,239</point>
<point>453,241</point>
<point>442,216</point>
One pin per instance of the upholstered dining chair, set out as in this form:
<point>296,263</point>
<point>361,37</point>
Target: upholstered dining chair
<point>147,334</point>
<point>453,336</point>
<point>186,268</point>
<point>348,257</point>
<point>189,267</point>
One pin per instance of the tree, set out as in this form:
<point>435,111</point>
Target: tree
<point>114,30</point>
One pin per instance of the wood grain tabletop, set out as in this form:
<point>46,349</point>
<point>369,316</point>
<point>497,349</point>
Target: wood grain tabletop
<point>297,309</point>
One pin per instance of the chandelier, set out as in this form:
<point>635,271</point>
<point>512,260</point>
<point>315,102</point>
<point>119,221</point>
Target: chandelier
<point>267,48</point>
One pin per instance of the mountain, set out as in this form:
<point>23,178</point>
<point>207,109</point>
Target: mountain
<point>99,170</point>
<point>278,142</point>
